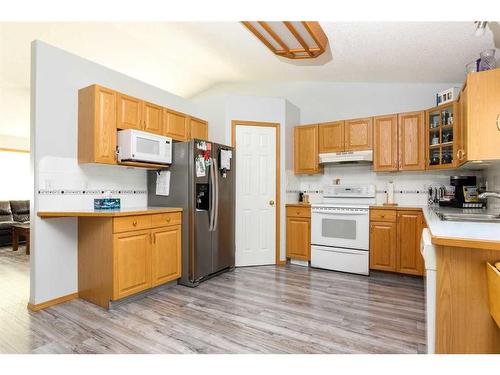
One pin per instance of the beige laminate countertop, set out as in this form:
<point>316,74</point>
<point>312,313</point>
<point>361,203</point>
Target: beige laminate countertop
<point>109,213</point>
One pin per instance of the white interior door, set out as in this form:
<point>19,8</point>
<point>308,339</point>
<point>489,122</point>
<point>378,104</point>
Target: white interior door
<point>255,195</point>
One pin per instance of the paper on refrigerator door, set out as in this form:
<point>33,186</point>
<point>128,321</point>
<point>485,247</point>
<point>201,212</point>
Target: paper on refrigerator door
<point>225,159</point>
<point>200,167</point>
<point>163,183</point>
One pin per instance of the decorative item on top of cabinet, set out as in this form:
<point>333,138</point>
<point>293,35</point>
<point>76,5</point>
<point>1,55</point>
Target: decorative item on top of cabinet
<point>298,232</point>
<point>198,129</point>
<point>385,143</point>
<point>175,125</point>
<point>305,152</point>
<point>358,134</point>
<point>331,137</point>
<point>395,240</point>
<point>97,125</point>
<point>482,118</point>
<point>441,133</point>
<point>411,136</point>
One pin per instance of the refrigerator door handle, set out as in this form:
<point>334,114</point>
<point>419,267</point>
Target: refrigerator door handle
<point>212,197</point>
<point>216,180</point>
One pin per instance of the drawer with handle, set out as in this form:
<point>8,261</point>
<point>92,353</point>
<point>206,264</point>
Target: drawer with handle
<point>298,211</point>
<point>170,218</point>
<point>129,223</point>
<point>383,215</point>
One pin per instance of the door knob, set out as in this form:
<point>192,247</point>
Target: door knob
<point>271,202</point>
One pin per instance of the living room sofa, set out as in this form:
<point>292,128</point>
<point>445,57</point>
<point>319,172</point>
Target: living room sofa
<point>12,212</point>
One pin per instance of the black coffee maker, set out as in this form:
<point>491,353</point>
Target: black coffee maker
<point>466,193</point>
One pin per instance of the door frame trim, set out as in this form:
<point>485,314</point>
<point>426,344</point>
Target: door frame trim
<point>275,125</point>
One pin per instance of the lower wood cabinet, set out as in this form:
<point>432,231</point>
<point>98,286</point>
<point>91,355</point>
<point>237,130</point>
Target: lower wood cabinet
<point>298,232</point>
<point>395,241</point>
<point>131,263</point>
<point>166,259</point>
<point>121,256</point>
<point>383,246</point>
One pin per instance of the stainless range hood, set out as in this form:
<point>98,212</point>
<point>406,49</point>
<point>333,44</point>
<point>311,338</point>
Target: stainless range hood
<point>347,157</point>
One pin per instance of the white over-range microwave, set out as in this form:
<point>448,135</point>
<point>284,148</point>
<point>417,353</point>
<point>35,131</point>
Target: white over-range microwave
<point>139,146</point>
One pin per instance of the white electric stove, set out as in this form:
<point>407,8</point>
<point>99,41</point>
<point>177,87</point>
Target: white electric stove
<point>340,228</point>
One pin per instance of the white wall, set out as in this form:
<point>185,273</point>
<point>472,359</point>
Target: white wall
<point>59,180</point>
<point>327,101</point>
<point>16,181</point>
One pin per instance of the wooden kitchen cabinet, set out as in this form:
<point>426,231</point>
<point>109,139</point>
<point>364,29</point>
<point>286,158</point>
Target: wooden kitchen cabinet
<point>331,136</point>
<point>121,256</point>
<point>97,125</point>
<point>395,240</point>
<point>305,151</point>
<point>129,113</point>
<point>411,130</point>
<point>198,129</point>
<point>131,263</point>
<point>152,118</point>
<point>383,246</point>
<point>410,226</point>
<point>166,259</point>
<point>385,143</point>
<point>175,125</point>
<point>298,232</point>
<point>358,134</point>
<point>480,103</point>
<point>461,132</point>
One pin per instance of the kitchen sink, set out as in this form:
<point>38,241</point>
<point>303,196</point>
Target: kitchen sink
<point>484,217</point>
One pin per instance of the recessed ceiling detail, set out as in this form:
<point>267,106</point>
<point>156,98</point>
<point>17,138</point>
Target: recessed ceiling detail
<point>291,39</point>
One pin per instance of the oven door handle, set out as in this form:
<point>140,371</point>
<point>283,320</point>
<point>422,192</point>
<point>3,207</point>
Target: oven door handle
<point>340,213</point>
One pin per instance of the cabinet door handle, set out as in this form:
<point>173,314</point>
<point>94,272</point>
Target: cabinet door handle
<point>168,219</point>
<point>498,122</point>
<point>134,223</point>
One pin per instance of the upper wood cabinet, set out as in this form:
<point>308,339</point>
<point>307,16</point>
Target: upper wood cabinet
<point>198,129</point>
<point>461,129</point>
<point>358,134</point>
<point>385,143</point>
<point>410,225</point>
<point>129,114</point>
<point>481,115</point>
<point>331,136</point>
<point>411,131</point>
<point>152,118</point>
<point>175,125</point>
<point>306,155</point>
<point>97,125</point>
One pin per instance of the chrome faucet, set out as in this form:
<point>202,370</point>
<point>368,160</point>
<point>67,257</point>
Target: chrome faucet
<point>489,194</point>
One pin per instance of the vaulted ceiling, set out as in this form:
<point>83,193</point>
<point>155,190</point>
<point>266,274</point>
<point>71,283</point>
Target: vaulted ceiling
<point>186,58</point>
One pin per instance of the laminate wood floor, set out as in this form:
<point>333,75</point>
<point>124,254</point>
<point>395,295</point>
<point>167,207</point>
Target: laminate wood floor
<point>266,309</point>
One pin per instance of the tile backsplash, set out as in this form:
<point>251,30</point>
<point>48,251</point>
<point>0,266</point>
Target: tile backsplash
<point>409,187</point>
<point>66,185</point>
<point>492,176</point>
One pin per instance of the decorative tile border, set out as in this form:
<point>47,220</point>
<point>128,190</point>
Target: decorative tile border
<point>423,191</point>
<point>91,192</point>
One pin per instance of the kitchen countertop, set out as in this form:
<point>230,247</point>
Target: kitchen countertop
<point>109,213</point>
<point>456,233</point>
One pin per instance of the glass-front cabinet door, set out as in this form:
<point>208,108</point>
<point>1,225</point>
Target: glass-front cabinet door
<point>441,125</point>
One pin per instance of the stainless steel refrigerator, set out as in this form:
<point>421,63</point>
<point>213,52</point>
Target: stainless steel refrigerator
<point>206,194</point>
